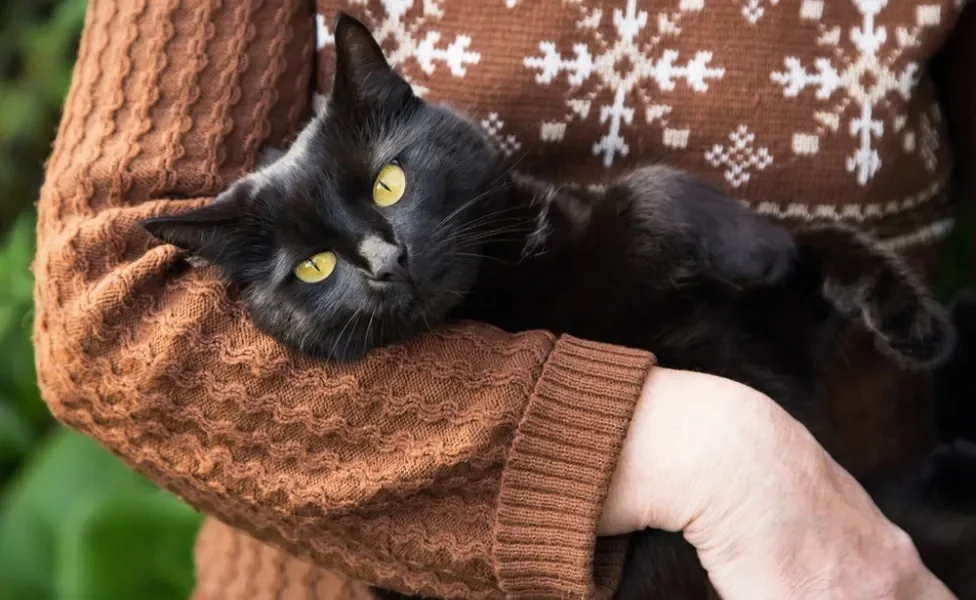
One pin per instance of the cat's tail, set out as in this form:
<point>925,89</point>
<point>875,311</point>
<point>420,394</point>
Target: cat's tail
<point>865,282</point>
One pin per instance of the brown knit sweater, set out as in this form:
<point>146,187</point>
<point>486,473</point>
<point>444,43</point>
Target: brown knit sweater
<point>469,463</point>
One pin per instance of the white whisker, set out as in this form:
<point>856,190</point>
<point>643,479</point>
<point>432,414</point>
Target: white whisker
<point>341,331</point>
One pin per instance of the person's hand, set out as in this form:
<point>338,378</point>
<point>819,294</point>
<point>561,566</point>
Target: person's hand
<point>771,515</point>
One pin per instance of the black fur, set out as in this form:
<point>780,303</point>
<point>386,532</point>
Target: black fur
<point>659,260</point>
<point>956,381</point>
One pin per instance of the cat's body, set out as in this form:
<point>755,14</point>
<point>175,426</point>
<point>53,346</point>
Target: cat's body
<point>334,257</point>
<point>768,320</point>
<point>628,266</point>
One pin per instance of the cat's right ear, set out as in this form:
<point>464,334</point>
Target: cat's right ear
<point>206,233</point>
<point>362,75</point>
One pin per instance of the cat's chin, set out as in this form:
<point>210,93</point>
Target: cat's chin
<point>391,295</point>
<point>392,301</point>
<point>407,300</point>
<point>373,329</point>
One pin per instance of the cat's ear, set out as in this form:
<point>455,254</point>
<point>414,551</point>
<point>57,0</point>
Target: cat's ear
<point>206,233</point>
<point>363,75</point>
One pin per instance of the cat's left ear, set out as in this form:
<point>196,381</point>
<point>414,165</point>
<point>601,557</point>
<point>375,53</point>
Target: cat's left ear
<point>208,233</point>
<point>362,74</point>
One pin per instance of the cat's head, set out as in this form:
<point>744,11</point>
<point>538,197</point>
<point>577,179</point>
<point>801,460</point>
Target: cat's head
<point>366,230</point>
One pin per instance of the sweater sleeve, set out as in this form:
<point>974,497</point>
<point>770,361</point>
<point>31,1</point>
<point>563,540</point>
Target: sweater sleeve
<point>467,463</point>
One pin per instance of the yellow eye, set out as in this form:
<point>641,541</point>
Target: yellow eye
<point>317,268</point>
<point>390,185</point>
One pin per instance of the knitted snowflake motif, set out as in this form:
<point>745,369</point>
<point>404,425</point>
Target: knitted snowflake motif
<point>616,75</point>
<point>856,87</point>
<point>753,10</point>
<point>398,28</point>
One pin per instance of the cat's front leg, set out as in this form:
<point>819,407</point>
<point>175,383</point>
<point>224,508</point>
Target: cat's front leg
<point>727,238</point>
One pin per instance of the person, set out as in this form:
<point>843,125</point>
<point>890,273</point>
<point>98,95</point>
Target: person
<point>472,462</point>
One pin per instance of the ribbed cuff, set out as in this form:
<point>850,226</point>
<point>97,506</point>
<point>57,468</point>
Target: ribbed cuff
<point>558,473</point>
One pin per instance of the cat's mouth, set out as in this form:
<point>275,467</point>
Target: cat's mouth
<point>392,291</point>
<point>405,293</point>
<point>400,282</point>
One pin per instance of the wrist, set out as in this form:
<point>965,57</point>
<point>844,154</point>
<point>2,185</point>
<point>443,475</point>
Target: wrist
<point>690,434</point>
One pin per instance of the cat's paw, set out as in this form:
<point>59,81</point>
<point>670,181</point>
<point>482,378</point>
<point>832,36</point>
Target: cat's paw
<point>917,332</point>
<point>867,282</point>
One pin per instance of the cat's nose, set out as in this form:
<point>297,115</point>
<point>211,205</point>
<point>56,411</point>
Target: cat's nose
<point>386,262</point>
<point>393,267</point>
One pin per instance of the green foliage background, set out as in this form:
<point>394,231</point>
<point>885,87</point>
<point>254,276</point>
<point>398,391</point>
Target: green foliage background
<point>75,523</point>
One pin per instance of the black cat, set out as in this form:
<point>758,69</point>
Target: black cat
<point>389,216</point>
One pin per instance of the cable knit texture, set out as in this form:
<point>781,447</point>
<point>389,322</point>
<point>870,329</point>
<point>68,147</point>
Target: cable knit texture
<point>471,462</point>
<point>390,470</point>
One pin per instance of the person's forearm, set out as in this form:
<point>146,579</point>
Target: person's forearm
<point>407,469</point>
<point>743,481</point>
<point>682,443</point>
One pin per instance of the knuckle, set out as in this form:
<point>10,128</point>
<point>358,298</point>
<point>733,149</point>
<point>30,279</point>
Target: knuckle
<point>903,548</point>
<point>899,567</point>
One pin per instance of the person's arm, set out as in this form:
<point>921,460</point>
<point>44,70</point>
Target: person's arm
<point>441,467</point>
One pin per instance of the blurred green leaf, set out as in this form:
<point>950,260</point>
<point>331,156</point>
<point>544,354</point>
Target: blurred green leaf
<point>18,381</point>
<point>148,531</point>
<point>75,522</point>
<point>23,417</point>
<point>16,433</point>
<point>63,471</point>
<point>78,524</point>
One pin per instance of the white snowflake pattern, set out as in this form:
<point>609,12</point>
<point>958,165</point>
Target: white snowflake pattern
<point>322,35</point>
<point>740,157</point>
<point>426,52</point>
<point>622,72</point>
<point>494,127</point>
<point>753,10</point>
<point>858,84</point>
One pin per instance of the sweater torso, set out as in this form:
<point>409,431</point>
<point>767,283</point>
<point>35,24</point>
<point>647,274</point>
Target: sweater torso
<point>807,111</point>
